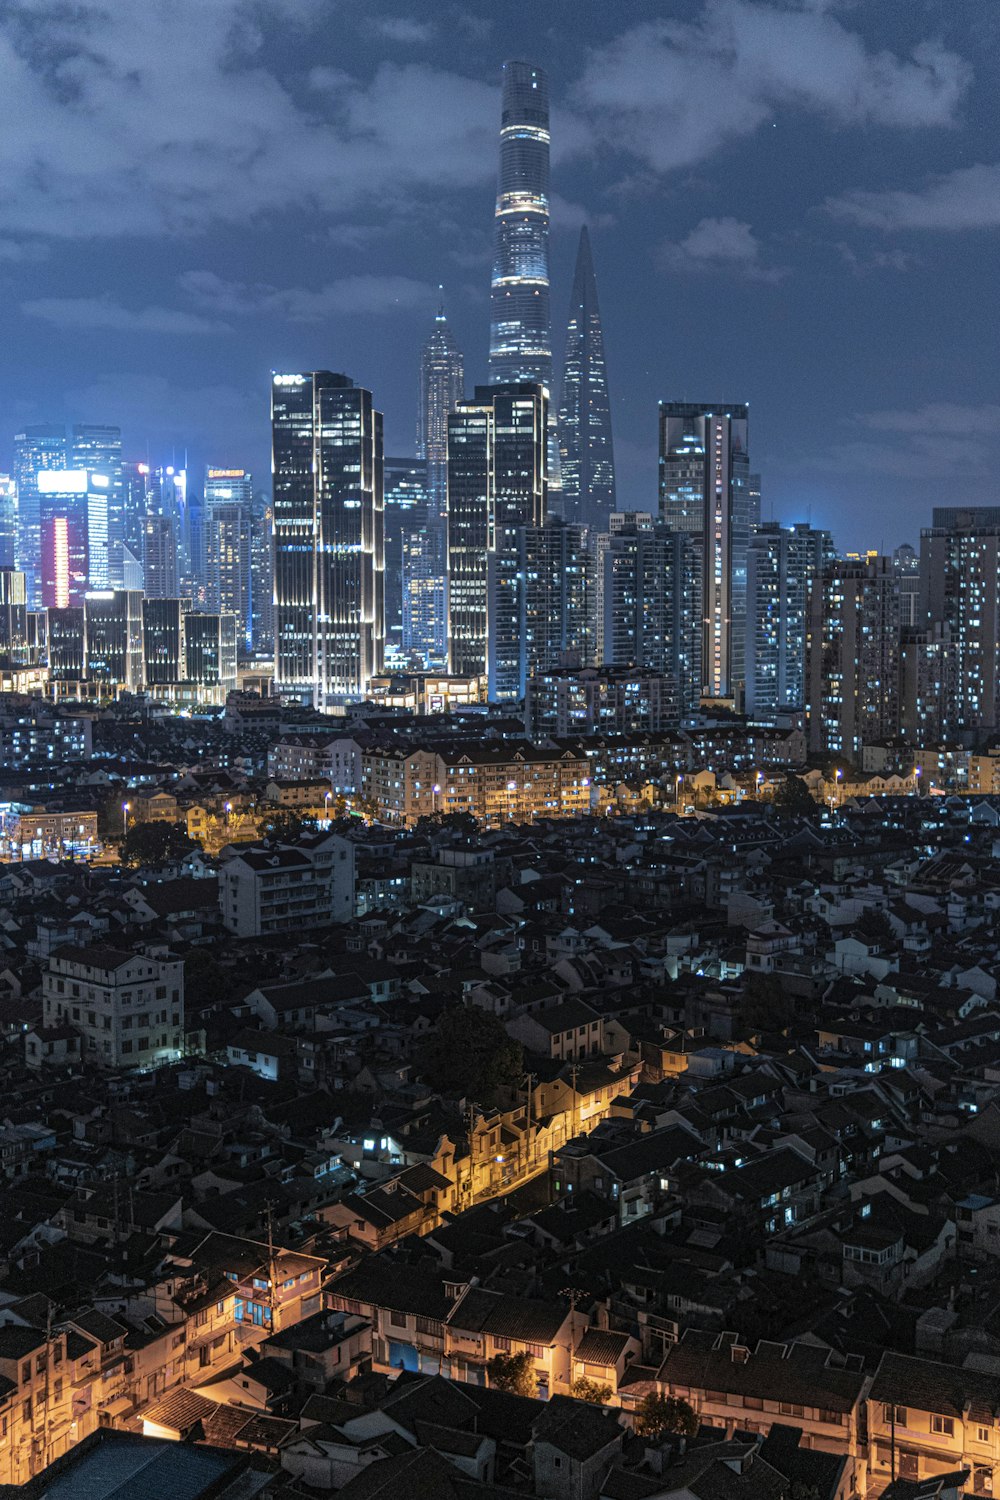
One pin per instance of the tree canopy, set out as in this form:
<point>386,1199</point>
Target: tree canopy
<point>155,844</point>
<point>514,1373</point>
<point>469,1052</point>
<point>657,1415</point>
<point>794,798</point>
<point>584,1389</point>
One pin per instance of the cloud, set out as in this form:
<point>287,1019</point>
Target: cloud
<point>939,440</point>
<point>404,30</point>
<point>968,198</point>
<point>108,314</point>
<point>167,119</point>
<point>726,245</point>
<point>877,260</point>
<point>567,215</point>
<point>671,93</point>
<point>346,297</point>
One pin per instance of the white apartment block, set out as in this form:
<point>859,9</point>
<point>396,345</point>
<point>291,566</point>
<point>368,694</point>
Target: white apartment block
<point>128,1007</point>
<point>284,888</point>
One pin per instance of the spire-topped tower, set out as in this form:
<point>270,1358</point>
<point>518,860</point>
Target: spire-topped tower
<point>585,442</point>
<point>520,331</point>
<point>442,387</point>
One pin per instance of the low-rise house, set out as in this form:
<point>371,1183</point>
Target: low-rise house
<point>927,1419</point>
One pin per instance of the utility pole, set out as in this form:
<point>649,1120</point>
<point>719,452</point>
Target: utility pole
<point>272,1271</point>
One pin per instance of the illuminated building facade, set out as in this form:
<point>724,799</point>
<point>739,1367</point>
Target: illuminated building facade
<point>36,448</point>
<point>262,574</point>
<point>782,563</point>
<point>442,387</point>
<point>852,655</point>
<point>163,641</point>
<point>406,510</point>
<point>113,652</point>
<point>210,654</point>
<point>8,522</point>
<point>13,618</point>
<point>705,490</point>
<point>135,507</point>
<point>520,316</point>
<point>960,592</point>
<point>226,546</point>
<point>67,644</point>
<point>586,447</point>
<point>497,483</point>
<point>98,450</point>
<point>649,597</point>
<point>161,575</point>
<point>70,514</point>
<point>558,598</point>
<point>327,464</point>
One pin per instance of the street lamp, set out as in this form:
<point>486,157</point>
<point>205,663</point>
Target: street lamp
<point>125,812</point>
<point>326,806</point>
<point>435,789</point>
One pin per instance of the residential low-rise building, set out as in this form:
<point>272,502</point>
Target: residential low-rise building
<point>128,1007</point>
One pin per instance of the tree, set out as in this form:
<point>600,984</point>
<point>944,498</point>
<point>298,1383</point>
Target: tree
<point>794,799</point>
<point>658,1415</point>
<point>469,1052</point>
<point>514,1373</point>
<point>590,1390</point>
<point>155,844</point>
<point>764,1006</point>
<point>285,825</point>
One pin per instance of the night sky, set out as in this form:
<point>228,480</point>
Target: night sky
<point>794,204</point>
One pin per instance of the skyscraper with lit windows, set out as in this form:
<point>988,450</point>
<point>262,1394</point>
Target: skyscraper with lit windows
<point>705,489</point>
<point>586,447</point>
<point>782,564</point>
<point>327,467</point>
<point>35,448</point>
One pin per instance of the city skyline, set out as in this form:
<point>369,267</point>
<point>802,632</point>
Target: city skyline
<point>760,246</point>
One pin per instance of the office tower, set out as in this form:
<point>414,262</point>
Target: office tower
<point>704,490</point>
<point>210,653</point>
<point>136,500</point>
<point>13,618</point>
<point>781,564</point>
<point>960,592</point>
<point>520,320</point>
<point>558,598</point>
<point>8,522</point>
<point>226,546</point>
<point>163,641</point>
<point>98,450</point>
<point>262,575</point>
<point>35,449</point>
<point>497,463</point>
<point>67,643</point>
<point>425,598</point>
<point>113,652</point>
<point>442,387</point>
<point>168,499</point>
<point>906,562</point>
<point>62,499</point>
<point>328,537</point>
<point>407,507</point>
<point>586,449</point>
<point>159,551</point>
<point>650,599</point>
<point>753,491</point>
<point>852,655</point>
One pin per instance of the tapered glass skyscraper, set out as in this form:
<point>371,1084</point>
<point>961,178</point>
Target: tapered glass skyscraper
<point>585,444</point>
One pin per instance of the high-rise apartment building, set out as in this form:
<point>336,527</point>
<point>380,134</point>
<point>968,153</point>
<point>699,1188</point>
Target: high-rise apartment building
<point>497,483</point>
<point>35,448</point>
<point>586,448</point>
<point>520,315</point>
<point>704,490</point>
<point>782,563</point>
<point>906,562</point>
<point>650,599</point>
<point>558,598</point>
<point>327,462</point>
<point>960,592</point>
<point>852,655</point>
<point>928,683</point>
<point>226,546</point>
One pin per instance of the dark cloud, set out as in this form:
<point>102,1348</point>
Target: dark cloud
<point>968,198</point>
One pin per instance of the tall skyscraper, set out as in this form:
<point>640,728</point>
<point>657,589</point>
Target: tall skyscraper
<point>782,563</point>
<point>650,600</point>
<point>35,448</point>
<point>114,638</point>
<point>328,537</point>
<point>226,546</point>
<point>704,488</point>
<point>13,618</point>
<point>442,387</point>
<point>163,640</point>
<point>210,653</point>
<point>8,522</point>
<point>852,655</point>
<point>73,539</point>
<point>520,315</point>
<point>159,553</point>
<point>586,448</point>
<point>98,449</point>
<point>406,509</point>
<point>558,598</point>
<point>497,482</point>
<point>262,574</point>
